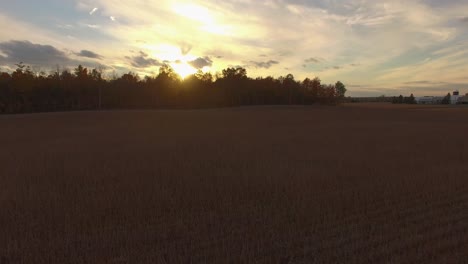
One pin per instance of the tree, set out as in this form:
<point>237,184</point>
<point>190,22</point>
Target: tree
<point>289,83</point>
<point>81,72</point>
<point>235,73</point>
<point>166,71</point>
<point>340,89</point>
<point>401,99</point>
<point>446,99</point>
<point>410,99</point>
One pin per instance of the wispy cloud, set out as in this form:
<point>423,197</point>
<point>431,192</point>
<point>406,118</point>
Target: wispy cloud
<point>93,26</point>
<point>313,60</point>
<point>93,11</point>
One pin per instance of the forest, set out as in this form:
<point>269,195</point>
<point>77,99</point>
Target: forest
<point>25,91</point>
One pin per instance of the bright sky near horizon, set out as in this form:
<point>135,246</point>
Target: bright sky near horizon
<point>375,47</point>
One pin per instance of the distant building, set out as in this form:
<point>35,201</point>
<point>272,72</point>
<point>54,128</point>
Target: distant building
<point>463,99</point>
<point>429,100</point>
<point>455,98</point>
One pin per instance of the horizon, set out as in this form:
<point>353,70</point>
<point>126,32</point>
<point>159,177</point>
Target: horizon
<point>374,47</point>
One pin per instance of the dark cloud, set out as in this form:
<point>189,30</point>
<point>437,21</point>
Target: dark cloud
<point>464,20</point>
<point>199,63</point>
<point>265,65</point>
<point>88,54</point>
<point>33,54</point>
<point>313,60</point>
<point>143,60</point>
<point>337,67</point>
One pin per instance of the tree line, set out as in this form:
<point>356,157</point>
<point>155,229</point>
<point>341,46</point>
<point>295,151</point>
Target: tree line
<point>24,91</point>
<point>404,100</point>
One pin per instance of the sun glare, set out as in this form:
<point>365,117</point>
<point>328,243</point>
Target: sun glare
<point>183,69</point>
<point>202,15</point>
<point>194,12</point>
<point>173,56</point>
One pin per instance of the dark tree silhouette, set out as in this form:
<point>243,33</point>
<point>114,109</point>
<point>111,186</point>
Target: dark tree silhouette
<point>340,89</point>
<point>25,91</point>
<point>446,99</point>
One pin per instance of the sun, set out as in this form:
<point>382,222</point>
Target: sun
<point>183,69</point>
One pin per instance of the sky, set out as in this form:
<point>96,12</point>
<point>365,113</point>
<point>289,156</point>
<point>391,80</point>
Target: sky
<point>374,47</point>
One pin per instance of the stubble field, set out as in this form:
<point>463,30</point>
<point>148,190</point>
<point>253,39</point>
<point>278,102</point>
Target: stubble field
<point>365,183</point>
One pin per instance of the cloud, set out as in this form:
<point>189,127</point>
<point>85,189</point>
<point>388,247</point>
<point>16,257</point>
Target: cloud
<point>34,54</point>
<point>313,60</point>
<point>143,61</point>
<point>93,11</point>
<point>265,65</point>
<point>89,54</point>
<point>112,18</point>
<point>464,20</point>
<point>425,82</point>
<point>199,63</point>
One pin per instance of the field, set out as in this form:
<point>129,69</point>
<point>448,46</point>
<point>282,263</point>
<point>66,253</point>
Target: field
<point>364,183</point>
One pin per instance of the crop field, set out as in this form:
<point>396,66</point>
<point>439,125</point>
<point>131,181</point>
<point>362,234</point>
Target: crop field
<point>363,183</point>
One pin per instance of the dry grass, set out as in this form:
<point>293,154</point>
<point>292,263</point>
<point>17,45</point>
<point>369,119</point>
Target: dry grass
<point>351,184</point>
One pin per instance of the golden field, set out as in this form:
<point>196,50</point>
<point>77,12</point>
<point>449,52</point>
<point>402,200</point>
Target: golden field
<point>364,183</point>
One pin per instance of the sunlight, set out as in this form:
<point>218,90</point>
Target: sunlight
<point>183,69</point>
<point>164,52</point>
<point>206,69</point>
<point>194,12</point>
<point>202,15</point>
<point>217,29</point>
<point>173,56</point>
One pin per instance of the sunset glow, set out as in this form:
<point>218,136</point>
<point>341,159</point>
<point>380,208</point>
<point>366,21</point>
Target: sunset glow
<point>193,12</point>
<point>375,47</point>
<point>183,69</point>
